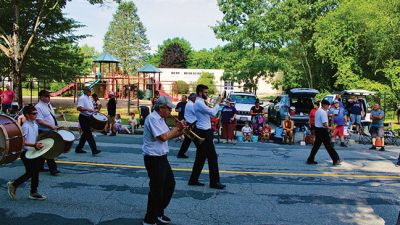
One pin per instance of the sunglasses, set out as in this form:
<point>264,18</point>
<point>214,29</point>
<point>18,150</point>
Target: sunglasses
<point>33,113</point>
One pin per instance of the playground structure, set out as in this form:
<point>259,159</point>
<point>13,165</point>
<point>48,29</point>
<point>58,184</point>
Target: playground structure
<point>107,77</point>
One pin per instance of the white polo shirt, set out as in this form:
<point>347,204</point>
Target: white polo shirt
<point>154,126</point>
<point>46,113</point>
<point>321,117</point>
<point>190,116</point>
<point>85,102</point>
<point>203,114</point>
<point>31,131</point>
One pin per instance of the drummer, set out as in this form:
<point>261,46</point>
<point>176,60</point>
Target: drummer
<point>46,119</point>
<point>86,109</point>
<point>32,166</point>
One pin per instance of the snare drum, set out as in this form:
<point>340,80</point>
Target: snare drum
<point>68,138</point>
<point>98,121</point>
<point>11,139</point>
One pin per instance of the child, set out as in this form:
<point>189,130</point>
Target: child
<point>120,128</point>
<point>32,166</point>
<point>246,130</point>
<point>265,132</point>
<point>132,122</point>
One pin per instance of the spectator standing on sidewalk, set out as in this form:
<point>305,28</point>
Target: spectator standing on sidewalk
<point>338,115</point>
<point>111,111</point>
<point>376,129</point>
<point>7,98</point>
<point>228,114</point>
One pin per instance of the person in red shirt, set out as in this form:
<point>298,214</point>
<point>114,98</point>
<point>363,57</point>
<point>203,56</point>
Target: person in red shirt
<point>7,97</point>
<point>311,121</point>
<point>265,132</point>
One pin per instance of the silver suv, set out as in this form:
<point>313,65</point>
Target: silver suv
<point>243,102</point>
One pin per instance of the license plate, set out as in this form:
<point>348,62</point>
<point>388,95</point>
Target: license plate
<point>243,118</point>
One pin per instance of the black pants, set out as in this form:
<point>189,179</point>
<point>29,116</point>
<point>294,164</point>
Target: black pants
<point>84,121</point>
<point>32,167</point>
<point>205,151</point>
<point>162,186</point>
<point>322,136</point>
<point>51,163</point>
<point>185,145</point>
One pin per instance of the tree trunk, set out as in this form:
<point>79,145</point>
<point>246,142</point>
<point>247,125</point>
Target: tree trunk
<point>16,76</point>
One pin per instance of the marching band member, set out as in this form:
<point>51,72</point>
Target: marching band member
<point>155,149</point>
<point>32,166</point>
<point>46,119</point>
<point>86,109</point>
<point>205,150</point>
<point>190,119</point>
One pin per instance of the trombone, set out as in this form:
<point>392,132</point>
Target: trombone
<point>190,134</point>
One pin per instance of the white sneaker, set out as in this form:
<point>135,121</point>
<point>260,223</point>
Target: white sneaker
<point>11,190</point>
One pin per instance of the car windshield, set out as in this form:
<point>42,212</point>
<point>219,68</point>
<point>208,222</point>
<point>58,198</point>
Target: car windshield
<point>244,99</point>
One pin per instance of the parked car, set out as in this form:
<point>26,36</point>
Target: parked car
<point>243,102</point>
<point>347,94</point>
<point>298,100</point>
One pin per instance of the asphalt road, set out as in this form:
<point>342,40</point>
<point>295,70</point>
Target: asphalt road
<point>266,184</point>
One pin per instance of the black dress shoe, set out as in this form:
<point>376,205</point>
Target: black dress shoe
<point>54,173</point>
<point>195,183</point>
<point>44,170</point>
<point>338,163</point>
<point>96,152</point>
<point>182,156</point>
<point>312,162</point>
<point>79,151</point>
<point>218,186</point>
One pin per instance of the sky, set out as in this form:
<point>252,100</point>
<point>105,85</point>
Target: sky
<point>163,19</point>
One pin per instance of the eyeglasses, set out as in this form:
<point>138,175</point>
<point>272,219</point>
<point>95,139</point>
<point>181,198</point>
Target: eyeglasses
<point>33,113</point>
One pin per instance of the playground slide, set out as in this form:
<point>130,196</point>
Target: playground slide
<point>163,93</point>
<point>64,89</point>
<point>94,83</point>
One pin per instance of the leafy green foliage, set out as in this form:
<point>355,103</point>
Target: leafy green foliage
<point>183,87</point>
<point>174,57</point>
<point>126,38</point>
<point>89,53</point>
<point>208,80</point>
<point>155,59</point>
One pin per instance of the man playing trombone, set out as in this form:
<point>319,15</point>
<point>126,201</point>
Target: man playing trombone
<point>205,150</point>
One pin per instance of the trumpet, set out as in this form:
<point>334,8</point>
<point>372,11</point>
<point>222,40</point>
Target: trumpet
<point>190,134</point>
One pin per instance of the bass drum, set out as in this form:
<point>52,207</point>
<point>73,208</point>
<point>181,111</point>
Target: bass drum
<point>98,121</point>
<point>11,139</point>
<point>68,138</point>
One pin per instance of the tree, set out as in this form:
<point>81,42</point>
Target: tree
<point>208,80</point>
<point>362,44</point>
<point>22,24</point>
<point>280,32</point>
<point>155,59</point>
<point>89,53</point>
<point>174,57</point>
<point>183,87</point>
<point>203,59</point>
<point>126,38</point>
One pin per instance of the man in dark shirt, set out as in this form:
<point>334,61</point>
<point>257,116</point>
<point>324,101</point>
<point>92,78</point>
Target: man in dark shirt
<point>111,110</point>
<point>180,107</point>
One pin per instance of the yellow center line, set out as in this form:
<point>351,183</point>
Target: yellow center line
<point>359,176</point>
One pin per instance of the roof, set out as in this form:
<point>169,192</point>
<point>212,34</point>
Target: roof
<point>106,57</point>
<point>303,91</point>
<point>149,69</point>
<point>357,92</point>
